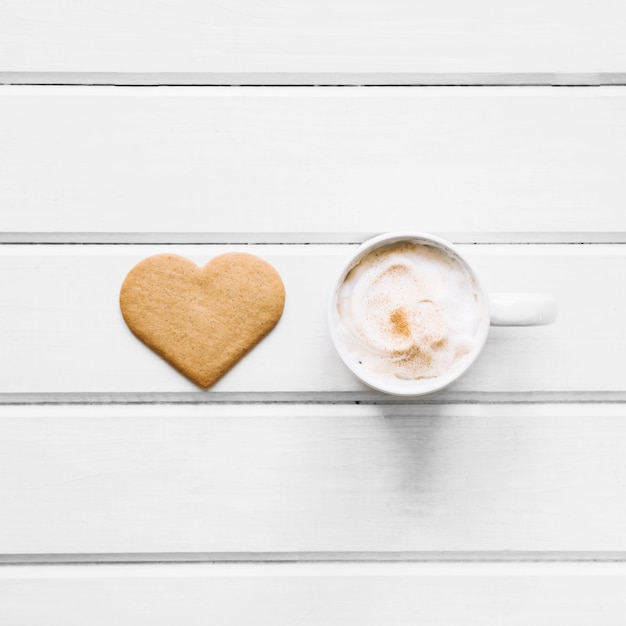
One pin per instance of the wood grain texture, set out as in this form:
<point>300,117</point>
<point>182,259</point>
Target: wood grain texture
<point>367,36</point>
<point>313,480</point>
<point>309,594</point>
<point>61,330</point>
<point>211,160</point>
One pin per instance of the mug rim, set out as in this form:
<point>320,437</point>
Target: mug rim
<point>420,387</point>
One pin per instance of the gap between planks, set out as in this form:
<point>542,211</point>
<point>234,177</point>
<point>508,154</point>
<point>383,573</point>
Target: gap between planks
<point>210,398</point>
<point>313,79</point>
<point>295,238</point>
<point>314,558</point>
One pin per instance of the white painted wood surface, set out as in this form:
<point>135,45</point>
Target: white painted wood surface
<point>61,330</point>
<point>526,481</point>
<point>312,594</point>
<point>223,40</point>
<point>306,478</point>
<point>327,163</point>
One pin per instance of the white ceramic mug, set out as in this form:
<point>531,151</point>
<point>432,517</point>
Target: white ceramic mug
<point>498,309</point>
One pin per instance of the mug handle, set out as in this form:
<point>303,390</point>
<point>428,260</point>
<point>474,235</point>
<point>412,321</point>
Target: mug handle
<point>522,309</point>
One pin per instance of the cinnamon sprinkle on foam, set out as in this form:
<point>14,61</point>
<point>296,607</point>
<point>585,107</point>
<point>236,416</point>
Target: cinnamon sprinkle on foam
<point>400,322</point>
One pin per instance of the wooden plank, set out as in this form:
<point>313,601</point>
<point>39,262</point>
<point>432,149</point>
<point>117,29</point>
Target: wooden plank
<point>254,37</point>
<point>312,481</point>
<point>62,332</point>
<point>314,594</point>
<point>211,161</point>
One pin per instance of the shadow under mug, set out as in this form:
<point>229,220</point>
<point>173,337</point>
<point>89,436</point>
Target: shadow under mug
<point>498,309</point>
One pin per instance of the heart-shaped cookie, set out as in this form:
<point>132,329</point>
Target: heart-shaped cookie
<point>202,320</point>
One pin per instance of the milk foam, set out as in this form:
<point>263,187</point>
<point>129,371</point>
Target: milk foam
<point>409,311</point>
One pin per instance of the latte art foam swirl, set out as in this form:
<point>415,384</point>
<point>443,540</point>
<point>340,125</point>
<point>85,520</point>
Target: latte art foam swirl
<point>410,311</point>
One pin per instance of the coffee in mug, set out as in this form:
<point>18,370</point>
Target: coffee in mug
<point>408,314</point>
<point>409,311</point>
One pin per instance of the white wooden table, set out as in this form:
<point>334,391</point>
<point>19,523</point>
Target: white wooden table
<point>289,493</point>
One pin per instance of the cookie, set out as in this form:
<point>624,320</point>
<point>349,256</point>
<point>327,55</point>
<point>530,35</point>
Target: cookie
<point>202,320</point>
